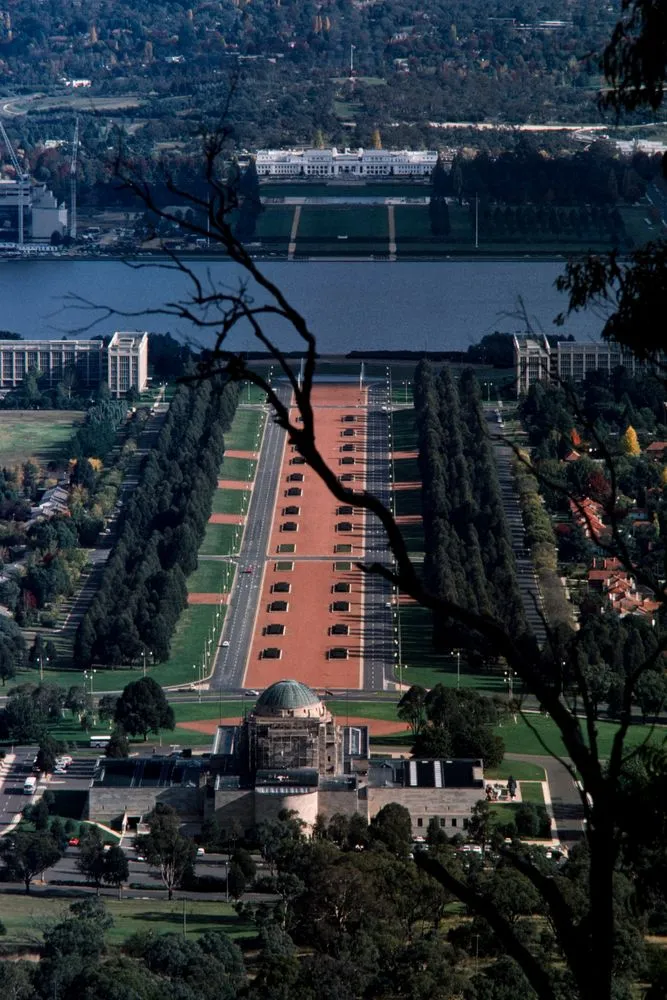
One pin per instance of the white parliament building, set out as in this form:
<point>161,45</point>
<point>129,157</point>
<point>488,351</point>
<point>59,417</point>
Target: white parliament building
<point>348,163</point>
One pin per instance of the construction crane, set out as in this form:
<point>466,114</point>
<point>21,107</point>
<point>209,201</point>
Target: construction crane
<point>72,181</point>
<point>20,177</point>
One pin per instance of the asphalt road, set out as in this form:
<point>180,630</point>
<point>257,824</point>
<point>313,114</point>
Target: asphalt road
<point>230,664</point>
<point>531,597</point>
<point>565,799</point>
<point>13,775</point>
<point>378,620</point>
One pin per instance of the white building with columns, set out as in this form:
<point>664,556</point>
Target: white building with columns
<point>345,163</point>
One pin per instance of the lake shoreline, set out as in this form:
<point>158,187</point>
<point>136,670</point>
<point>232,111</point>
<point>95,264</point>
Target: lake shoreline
<point>463,257</point>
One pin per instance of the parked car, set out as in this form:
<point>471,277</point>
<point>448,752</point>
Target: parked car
<point>73,842</point>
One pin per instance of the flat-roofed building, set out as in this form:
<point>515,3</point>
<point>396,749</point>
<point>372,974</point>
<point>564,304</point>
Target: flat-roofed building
<point>52,361</point>
<point>123,363</point>
<point>536,360</point>
<point>348,163</point>
<point>290,753</point>
<point>127,363</point>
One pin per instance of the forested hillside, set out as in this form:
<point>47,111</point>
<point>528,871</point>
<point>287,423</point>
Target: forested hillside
<point>461,60</point>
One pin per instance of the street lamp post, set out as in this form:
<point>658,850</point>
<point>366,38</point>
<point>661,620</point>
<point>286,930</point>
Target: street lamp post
<point>458,669</point>
<point>41,666</point>
<point>90,675</point>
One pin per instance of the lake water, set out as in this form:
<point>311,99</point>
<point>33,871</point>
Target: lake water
<point>349,305</point>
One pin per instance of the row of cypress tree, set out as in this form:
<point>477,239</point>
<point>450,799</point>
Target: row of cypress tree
<point>468,558</point>
<point>143,589</point>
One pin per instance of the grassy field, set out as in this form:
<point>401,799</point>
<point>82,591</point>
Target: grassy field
<point>212,577</point>
<point>638,229</point>
<point>406,470</point>
<point>531,791</point>
<point>427,667</point>
<point>413,536</point>
<point>246,428</point>
<point>522,770</point>
<point>520,739</point>
<point>26,917</point>
<point>187,647</point>
<point>413,230</point>
<point>408,502</point>
<point>219,540</point>
<point>189,643</point>
<point>366,225</point>
<point>404,430</point>
<point>238,468</point>
<point>32,433</point>
<point>274,225</point>
<point>328,222</point>
<point>230,502</point>
<point>206,711</point>
<point>252,394</point>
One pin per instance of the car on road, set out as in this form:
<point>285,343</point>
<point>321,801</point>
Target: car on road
<point>248,569</point>
<point>200,852</point>
<point>73,842</point>
<point>226,643</point>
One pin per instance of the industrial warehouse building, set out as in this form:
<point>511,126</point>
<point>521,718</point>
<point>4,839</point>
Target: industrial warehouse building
<point>288,753</point>
<point>123,363</point>
<point>43,215</point>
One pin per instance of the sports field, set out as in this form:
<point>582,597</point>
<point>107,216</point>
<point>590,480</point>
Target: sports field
<point>40,434</point>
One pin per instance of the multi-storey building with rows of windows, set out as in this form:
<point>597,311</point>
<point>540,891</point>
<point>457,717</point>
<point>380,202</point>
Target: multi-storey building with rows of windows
<point>535,359</point>
<point>123,363</point>
<point>345,163</point>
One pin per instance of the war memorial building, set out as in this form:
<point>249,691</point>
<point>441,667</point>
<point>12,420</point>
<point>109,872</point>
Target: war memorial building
<point>288,753</point>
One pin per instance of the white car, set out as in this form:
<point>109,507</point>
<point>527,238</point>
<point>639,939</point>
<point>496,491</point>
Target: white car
<point>225,643</point>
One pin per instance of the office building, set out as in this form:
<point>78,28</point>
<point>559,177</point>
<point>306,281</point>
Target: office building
<point>127,363</point>
<point>536,360</point>
<point>53,361</point>
<point>123,363</point>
